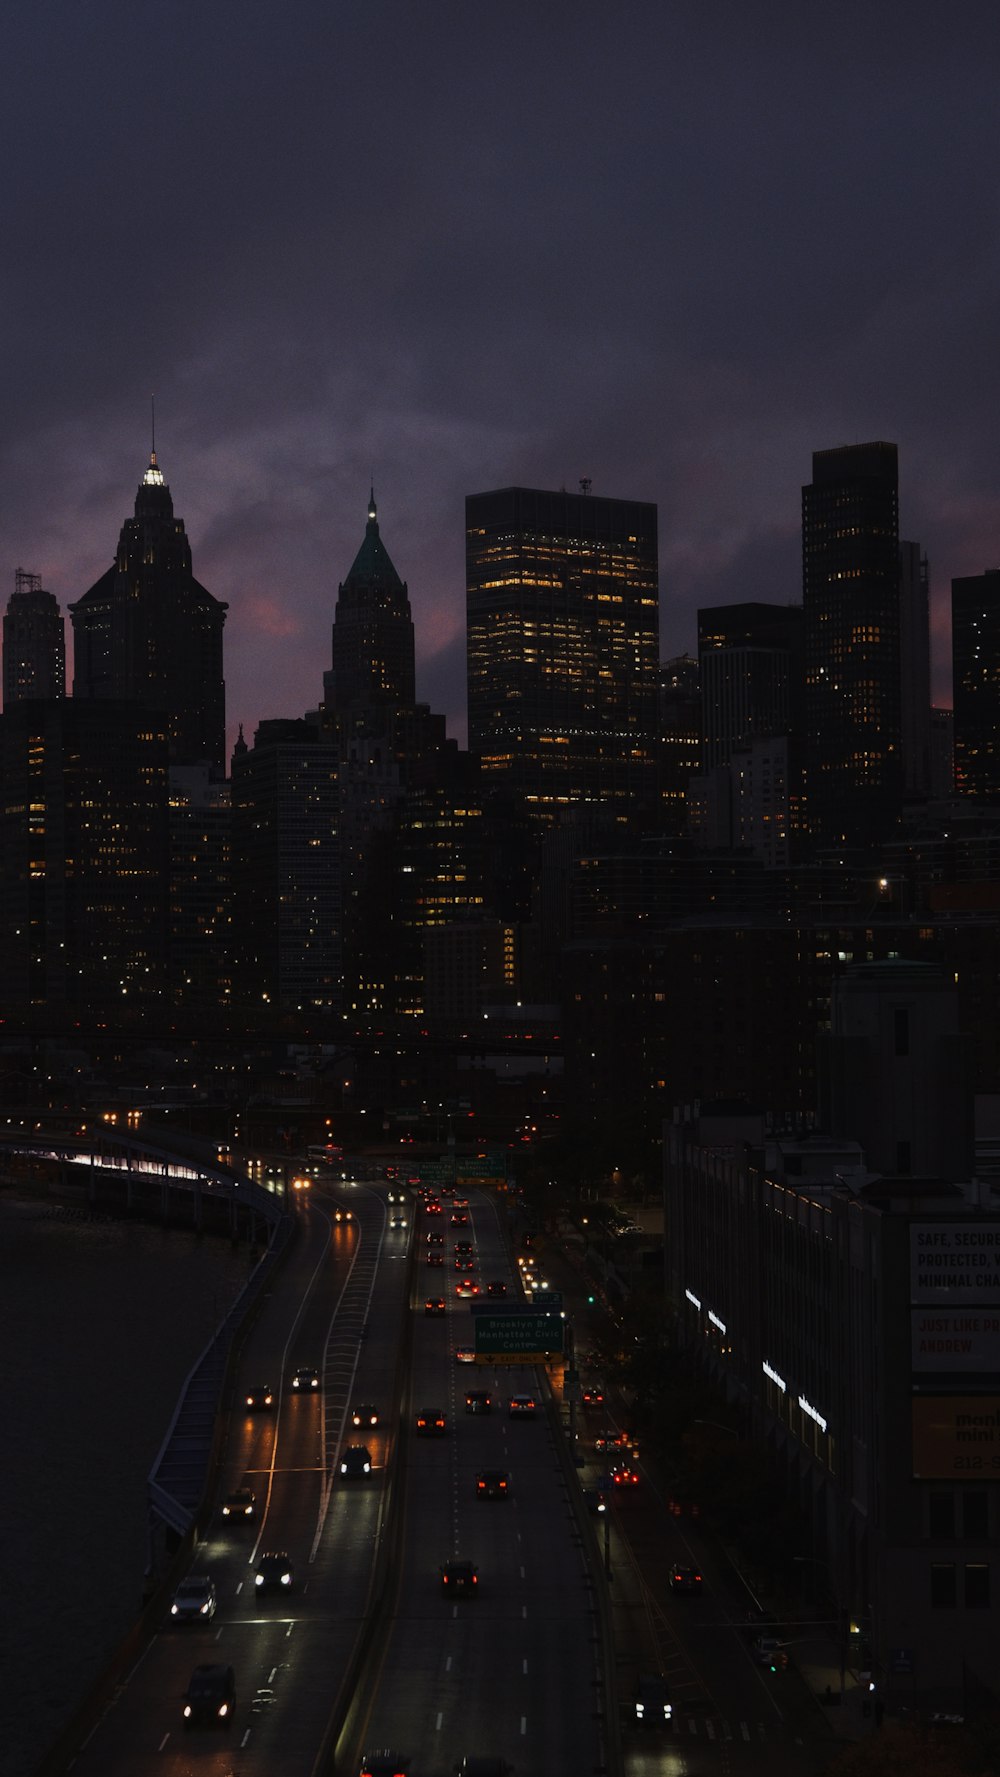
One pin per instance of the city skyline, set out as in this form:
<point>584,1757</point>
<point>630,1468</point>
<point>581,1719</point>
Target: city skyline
<point>739,243</point>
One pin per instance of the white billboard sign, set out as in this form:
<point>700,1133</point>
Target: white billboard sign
<point>955,1262</point>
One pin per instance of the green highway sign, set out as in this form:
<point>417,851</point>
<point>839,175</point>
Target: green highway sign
<point>518,1335</point>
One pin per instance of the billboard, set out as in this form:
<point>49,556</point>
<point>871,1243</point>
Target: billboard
<point>955,1339</point>
<point>955,1262</point>
<point>956,1437</point>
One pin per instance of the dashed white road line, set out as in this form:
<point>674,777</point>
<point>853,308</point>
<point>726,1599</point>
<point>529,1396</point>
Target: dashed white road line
<point>163,1742</point>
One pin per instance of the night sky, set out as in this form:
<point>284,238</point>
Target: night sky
<point>453,245</point>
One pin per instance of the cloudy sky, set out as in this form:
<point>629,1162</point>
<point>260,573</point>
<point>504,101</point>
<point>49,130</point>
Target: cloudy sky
<point>672,245</point>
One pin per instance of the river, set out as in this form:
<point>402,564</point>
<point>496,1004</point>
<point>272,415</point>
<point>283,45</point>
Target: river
<point>101,1322</point>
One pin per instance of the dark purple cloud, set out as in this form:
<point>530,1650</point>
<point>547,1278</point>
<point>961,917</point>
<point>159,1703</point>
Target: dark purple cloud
<point>450,247</point>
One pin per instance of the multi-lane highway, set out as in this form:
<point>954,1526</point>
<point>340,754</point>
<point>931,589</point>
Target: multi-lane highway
<point>513,1671</point>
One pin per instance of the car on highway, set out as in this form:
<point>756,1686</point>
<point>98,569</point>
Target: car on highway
<point>241,1504</point>
<point>210,1699</point>
<point>355,1461</point>
<point>431,1423</point>
<point>259,1399</point>
<point>496,1288</point>
<point>364,1414</point>
<point>623,1475</point>
<point>434,1305</point>
<point>462,1263</point>
<point>305,1379</point>
<point>459,1579</point>
<point>463,1249</point>
<point>466,1287</point>
<point>492,1483</point>
<point>435,1240</point>
<point>398,1218</point>
<point>435,1259</point>
<point>194,1600</point>
<point>341,1214</point>
<point>433,1207</point>
<point>274,1572</point>
<point>768,1651</point>
<point>653,1708</point>
<point>593,1396</point>
<point>522,1406</point>
<point>459,1218</point>
<point>611,1440</point>
<point>596,1501</point>
<point>479,1400</point>
<point>684,1579</point>
<point>385,1763</point>
<point>465,1354</point>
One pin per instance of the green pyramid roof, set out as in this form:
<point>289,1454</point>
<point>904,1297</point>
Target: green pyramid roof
<point>372,560</point>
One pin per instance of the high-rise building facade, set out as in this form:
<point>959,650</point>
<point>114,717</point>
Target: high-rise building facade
<point>286,868</point>
<point>975,646</point>
<point>915,670</point>
<point>83,856</point>
<point>34,642</point>
<point>851,620</point>
<point>563,648</point>
<point>149,632</point>
<point>372,633</point>
<point>750,664</point>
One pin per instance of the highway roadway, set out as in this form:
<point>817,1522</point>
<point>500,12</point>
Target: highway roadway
<point>337,1304</point>
<point>514,1672</point>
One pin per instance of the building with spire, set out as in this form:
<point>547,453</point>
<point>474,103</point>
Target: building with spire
<point>148,632</point>
<point>34,642</point>
<point>372,662</point>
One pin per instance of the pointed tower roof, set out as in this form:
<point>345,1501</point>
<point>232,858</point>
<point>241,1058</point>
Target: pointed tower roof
<point>372,561</point>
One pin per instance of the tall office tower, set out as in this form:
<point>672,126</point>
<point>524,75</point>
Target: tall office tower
<point>372,633</point>
<point>200,886</point>
<point>679,719</point>
<point>942,755</point>
<point>286,869</point>
<point>749,659</point>
<point>34,642</point>
<point>83,856</point>
<point>851,623</point>
<point>148,631</point>
<point>915,670</point>
<point>975,650</point>
<point>563,648</point>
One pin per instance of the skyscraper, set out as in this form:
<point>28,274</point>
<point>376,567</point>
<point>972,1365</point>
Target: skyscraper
<point>34,642</point>
<point>149,632</point>
<point>563,647</point>
<point>851,619</point>
<point>372,633</point>
<point>83,856</point>
<point>975,646</point>
<point>749,668</point>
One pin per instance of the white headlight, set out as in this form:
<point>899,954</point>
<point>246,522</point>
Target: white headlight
<point>173,1610</point>
<point>259,1579</point>
<point>286,1579</point>
<point>367,1467</point>
<point>206,1607</point>
<point>187,1709</point>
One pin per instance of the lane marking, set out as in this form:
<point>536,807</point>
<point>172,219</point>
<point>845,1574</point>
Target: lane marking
<point>270,1676</point>
<point>245,1739</point>
<point>524,1665</point>
<point>440,1719</point>
<point>163,1742</point>
<point>447,1664</point>
<point>524,1724</point>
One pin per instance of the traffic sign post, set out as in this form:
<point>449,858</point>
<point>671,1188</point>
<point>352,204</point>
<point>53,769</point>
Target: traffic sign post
<point>518,1338</point>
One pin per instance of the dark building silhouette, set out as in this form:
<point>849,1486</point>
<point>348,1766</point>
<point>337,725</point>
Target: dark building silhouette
<point>679,721</point>
<point>563,648</point>
<point>148,631</point>
<point>83,856</point>
<point>749,659</point>
<point>975,646</point>
<point>372,632</point>
<point>915,670</point>
<point>286,868</point>
<point>34,642</point>
<point>200,887</point>
<point>851,621</point>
